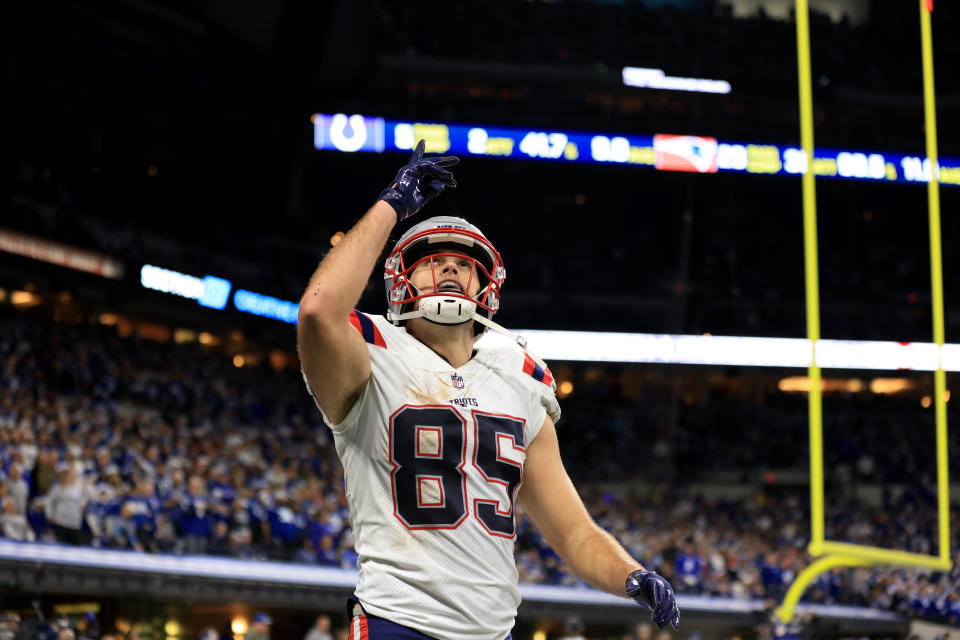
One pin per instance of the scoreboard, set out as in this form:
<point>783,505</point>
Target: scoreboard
<point>697,154</point>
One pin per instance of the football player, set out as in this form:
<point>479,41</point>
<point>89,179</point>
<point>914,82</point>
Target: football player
<point>439,438</point>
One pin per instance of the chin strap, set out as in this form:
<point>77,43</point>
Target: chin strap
<point>516,337</point>
<point>487,322</point>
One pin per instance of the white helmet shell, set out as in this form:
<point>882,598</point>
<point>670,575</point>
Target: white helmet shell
<point>443,235</point>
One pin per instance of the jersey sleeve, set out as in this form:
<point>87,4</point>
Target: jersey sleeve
<point>372,329</point>
<point>368,329</point>
<point>352,416</point>
<point>539,384</point>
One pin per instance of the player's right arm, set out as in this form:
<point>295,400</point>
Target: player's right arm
<point>333,354</point>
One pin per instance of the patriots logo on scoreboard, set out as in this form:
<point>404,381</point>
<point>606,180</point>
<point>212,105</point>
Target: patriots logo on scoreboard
<point>685,153</point>
<point>457,381</point>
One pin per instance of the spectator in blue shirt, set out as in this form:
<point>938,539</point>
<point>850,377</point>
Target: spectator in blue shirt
<point>219,539</point>
<point>348,554</point>
<point>145,505</point>
<point>123,529</point>
<point>195,521</point>
<point>953,608</point>
<point>220,488</point>
<point>688,567</point>
<point>259,524</point>
<point>99,508</point>
<point>286,525</point>
<point>326,554</point>
<point>306,554</point>
<point>771,575</point>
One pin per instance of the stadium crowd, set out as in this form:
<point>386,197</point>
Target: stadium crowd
<point>761,430</point>
<point>753,548</point>
<point>130,444</point>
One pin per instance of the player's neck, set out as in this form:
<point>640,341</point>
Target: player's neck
<point>453,343</point>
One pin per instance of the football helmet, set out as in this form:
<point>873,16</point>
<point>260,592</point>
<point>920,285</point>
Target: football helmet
<point>442,236</point>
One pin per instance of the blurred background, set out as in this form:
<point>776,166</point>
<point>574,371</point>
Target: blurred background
<point>168,185</point>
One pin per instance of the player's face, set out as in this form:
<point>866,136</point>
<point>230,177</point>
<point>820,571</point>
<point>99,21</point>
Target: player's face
<point>446,272</point>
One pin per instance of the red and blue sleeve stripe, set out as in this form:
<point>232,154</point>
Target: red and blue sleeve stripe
<point>538,373</point>
<point>367,329</point>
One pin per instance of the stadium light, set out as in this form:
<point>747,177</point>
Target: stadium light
<point>208,291</point>
<point>24,299</point>
<point>238,626</point>
<point>60,254</point>
<point>657,79</point>
<point>598,346</point>
<point>266,306</point>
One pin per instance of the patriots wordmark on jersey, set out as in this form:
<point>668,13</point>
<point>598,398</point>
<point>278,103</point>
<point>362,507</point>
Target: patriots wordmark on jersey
<point>433,458</point>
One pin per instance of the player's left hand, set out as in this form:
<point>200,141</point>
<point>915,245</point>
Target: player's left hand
<point>418,182</point>
<point>652,591</point>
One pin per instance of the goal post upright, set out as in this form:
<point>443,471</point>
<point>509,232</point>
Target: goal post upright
<point>835,554</point>
<point>936,281</point>
<point>811,277</point>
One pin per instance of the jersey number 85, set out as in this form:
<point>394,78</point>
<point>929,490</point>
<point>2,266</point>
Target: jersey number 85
<point>428,450</point>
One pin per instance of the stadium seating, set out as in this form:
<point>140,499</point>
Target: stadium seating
<point>129,444</point>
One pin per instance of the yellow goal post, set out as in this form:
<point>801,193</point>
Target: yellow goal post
<point>832,554</point>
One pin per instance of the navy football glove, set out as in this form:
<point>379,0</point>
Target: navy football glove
<point>418,182</point>
<point>653,592</point>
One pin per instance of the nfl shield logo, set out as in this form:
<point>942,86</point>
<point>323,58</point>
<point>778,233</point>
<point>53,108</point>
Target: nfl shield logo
<point>457,381</point>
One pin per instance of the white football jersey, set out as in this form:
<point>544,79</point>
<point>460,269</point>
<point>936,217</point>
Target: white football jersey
<point>433,458</point>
